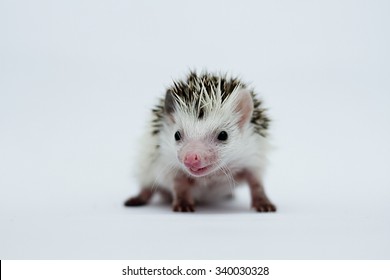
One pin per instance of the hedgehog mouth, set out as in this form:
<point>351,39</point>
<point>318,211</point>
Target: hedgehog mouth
<point>199,171</point>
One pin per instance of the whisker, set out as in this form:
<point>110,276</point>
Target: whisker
<point>168,168</point>
<point>225,169</point>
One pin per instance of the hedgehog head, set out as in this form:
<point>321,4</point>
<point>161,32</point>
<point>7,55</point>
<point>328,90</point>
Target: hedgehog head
<point>204,124</point>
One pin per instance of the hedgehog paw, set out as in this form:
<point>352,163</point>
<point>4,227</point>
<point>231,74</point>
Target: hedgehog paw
<point>263,206</point>
<point>183,206</point>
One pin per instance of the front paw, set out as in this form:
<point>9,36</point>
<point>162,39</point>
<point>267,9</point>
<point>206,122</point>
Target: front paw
<point>183,206</point>
<point>262,205</point>
<point>135,201</point>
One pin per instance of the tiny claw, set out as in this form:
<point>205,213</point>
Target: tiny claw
<point>264,206</point>
<point>183,206</point>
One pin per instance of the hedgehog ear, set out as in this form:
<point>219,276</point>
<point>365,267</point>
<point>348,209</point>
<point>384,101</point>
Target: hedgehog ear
<point>169,105</point>
<point>244,107</point>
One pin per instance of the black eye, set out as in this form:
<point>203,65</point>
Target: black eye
<point>222,136</point>
<point>177,136</point>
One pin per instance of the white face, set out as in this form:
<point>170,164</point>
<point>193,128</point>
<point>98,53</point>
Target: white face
<point>204,145</point>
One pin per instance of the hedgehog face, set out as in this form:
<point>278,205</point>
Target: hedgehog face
<point>203,141</point>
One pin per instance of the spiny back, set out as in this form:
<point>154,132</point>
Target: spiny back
<point>200,93</point>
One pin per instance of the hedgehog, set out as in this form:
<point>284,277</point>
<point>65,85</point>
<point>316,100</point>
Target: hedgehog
<point>207,135</point>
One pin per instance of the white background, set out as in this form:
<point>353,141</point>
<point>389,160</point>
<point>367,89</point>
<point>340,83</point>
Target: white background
<point>77,82</point>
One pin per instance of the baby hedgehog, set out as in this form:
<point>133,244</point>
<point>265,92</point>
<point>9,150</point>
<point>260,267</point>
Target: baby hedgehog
<point>206,136</point>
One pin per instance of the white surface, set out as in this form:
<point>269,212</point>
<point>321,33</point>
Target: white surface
<point>77,80</point>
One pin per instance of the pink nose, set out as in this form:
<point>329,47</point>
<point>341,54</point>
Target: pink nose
<point>192,160</point>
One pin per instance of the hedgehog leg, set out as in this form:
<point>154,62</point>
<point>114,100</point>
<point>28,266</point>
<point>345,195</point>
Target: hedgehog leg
<point>141,199</point>
<point>260,201</point>
<point>183,201</point>
<point>166,195</point>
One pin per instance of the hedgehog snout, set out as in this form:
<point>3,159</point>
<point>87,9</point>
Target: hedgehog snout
<point>197,155</point>
<point>192,160</point>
